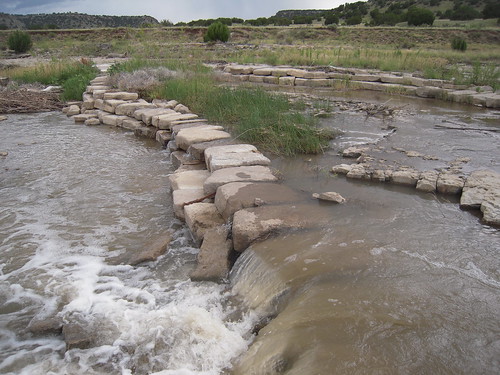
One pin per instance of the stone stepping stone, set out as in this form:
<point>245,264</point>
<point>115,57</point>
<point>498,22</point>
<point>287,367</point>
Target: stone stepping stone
<point>190,136</point>
<point>146,114</point>
<point>236,196</point>
<point>128,109</point>
<point>121,95</point>
<point>238,174</point>
<point>165,121</point>
<point>132,124</point>
<point>252,224</point>
<point>219,157</point>
<point>111,104</point>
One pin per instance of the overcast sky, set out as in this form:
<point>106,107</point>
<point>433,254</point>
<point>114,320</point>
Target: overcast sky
<point>173,10</point>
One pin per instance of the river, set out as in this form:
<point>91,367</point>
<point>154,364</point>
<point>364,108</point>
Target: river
<point>399,283</point>
<point>75,201</point>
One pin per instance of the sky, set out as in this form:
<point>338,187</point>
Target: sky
<point>172,10</point>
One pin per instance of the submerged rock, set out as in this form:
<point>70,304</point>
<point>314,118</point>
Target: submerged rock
<point>235,196</point>
<point>153,251</point>
<point>256,223</point>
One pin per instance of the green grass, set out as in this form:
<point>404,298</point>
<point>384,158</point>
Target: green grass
<point>252,115</point>
<point>72,76</point>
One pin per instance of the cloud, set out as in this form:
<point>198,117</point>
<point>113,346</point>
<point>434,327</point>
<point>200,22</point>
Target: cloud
<point>174,10</point>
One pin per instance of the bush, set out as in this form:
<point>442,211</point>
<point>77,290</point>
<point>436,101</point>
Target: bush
<point>459,44</point>
<point>420,16</point>
<point>217,32</point>
<point>20,41</point>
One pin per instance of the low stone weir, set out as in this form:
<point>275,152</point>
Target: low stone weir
<point>226,192</point>
<point>479,190</point>
<point>360,79</point>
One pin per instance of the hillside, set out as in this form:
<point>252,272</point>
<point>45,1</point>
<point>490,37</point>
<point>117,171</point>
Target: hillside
<point>71,21</point>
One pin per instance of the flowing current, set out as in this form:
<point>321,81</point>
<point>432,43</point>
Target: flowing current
<point>76,202</point>
<point>398,283</point>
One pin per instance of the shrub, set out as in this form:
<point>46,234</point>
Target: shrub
<point>420,16</point>
<point>332,19</point>
<point>217,32</point>
<point>459,44</point>
<point>20,41</point>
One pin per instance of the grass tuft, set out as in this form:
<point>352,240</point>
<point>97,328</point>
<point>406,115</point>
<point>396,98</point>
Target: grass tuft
<point>252,115</point>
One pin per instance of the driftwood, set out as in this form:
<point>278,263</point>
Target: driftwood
<point>200,199</point>
<point>28,101</point>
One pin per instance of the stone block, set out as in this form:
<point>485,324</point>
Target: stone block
<point>187,137</point>
<point>128,109</point>
<point>236,196</point>
<point>197,150</point>
<point>131,124</point>
<point>73,110</point>
<point>181,108</point>
<point>200,217</point>
<point>428,181</point>
<point>271,80</point>
<point>114,120</point>
<point>200,126</point>
<point>256,79</point>
<point>408,177</point>
<point>146,132</point>
<point>188,180</point>
<point>164,121</point>
<point>480,186</point>
<point>121,95</point>
<point>341,168</point>
<point>252,224</point>
<point>92,122</point>
<point>299,73</point>
<point>238,174</point>
<point>363,77</point>
<point>153,251</point>
<point>329,196</point>
<point>163,137</point>
<point>213,258</point>
<point>430,92</point>
<point>183,196</point>
<point>111,104</point>
<point>228,156</point>
<point>448,183</point>
<point>82,117</point>
<point>287,81</point>
<point>267,71</point>
<point>316,75</point>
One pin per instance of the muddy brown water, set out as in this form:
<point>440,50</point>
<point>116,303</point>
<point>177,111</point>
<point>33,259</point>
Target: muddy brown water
<point>399,282</point>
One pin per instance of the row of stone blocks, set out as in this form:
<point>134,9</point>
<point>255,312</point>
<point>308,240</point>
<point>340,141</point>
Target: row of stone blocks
<point>225,191</point>
<point>364,80</point>
<point>479,190</point>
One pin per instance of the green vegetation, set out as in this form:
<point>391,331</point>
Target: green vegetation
<point>20,41</point>
<point>72,76</point>
<point>217,32</point>
<point>420,16</point>
<point>459,44</point>
<point>252,115</point>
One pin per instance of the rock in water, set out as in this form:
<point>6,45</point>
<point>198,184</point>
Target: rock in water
<point>329,197</point>
<point>152,252</point>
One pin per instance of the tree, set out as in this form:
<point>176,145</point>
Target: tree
<point>331,19</point>
<point>491,10</point>
<point>465,12</point>
<point>354,20</point>
<point>217,32</point>
<point>420,16</point>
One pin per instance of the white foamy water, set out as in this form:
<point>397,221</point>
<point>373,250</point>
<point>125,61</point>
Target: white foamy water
<point>76,202</point>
